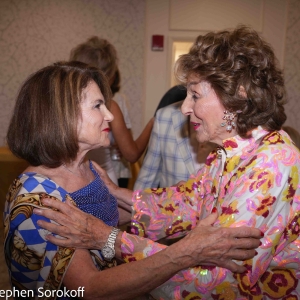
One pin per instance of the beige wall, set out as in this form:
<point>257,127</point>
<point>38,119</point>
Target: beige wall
<point>179,20</point>
<point>292,64</point>
<point>35,33</point>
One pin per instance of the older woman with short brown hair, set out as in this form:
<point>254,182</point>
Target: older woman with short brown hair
<point>235,99</point>
<point>60,115</point>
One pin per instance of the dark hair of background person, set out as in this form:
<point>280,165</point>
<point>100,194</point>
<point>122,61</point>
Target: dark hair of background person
<point>97,52</point>
<point>174,94</point>
<point>50,99</point>
<point>231,62</point>
<point>116,84</point>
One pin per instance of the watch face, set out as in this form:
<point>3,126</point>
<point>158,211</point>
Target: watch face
<point>107,252</point>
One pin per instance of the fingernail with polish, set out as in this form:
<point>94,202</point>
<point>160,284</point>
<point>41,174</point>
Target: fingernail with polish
<point>214,210</point>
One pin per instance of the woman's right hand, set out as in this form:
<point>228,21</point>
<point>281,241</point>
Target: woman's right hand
<point>74,227</point>
<point>219,246</point>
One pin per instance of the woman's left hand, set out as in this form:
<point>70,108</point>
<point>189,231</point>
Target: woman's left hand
<point>78,229</point>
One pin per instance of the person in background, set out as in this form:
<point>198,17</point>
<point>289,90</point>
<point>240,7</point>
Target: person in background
<point>100,53</point>
<point>235,98</point>
<point>120,165</point>
<point>173,153</point>
<point>293,133</point>
<point>174,94</point>
<point>60,114</point>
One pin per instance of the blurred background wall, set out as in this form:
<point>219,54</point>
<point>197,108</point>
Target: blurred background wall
<point>35,33</point>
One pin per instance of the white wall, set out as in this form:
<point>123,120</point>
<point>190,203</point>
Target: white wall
<point>178,20</point>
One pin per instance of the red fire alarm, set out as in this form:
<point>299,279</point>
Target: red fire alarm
<point>157,43</point>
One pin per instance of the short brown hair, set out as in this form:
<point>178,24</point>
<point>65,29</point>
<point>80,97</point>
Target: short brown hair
<point>98,53</point>
<point>43,128</point>
<point>229,60</point>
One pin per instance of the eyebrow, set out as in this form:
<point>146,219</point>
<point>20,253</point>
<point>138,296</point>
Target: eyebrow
<point>192,83</point>
<point>99,100</point>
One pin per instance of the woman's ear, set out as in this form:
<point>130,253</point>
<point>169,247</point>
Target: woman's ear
<point>242,92</point>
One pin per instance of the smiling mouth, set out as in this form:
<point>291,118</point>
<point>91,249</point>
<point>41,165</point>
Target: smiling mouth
<point>195,125</point>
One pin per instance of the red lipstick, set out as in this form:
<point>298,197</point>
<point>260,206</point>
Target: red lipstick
<point>195,125</point>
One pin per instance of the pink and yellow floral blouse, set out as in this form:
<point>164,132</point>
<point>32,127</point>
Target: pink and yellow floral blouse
<point>256,183</point>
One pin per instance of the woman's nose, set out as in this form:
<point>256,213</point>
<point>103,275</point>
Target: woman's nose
<point>186,107</point>
<point>108,116</point>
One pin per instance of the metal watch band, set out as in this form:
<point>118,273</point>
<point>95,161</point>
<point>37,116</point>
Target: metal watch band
<point>108,251</point>
<point>112,237</point>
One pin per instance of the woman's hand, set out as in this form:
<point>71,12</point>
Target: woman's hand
<point>78,229</point>
<point>218,246</point>
<point>112,187</point>
<point>124,196</point>
<point>205,244</point>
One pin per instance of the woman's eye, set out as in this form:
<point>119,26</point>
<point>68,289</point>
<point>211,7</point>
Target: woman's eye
<point>195,97</point>
<point>98,105</point>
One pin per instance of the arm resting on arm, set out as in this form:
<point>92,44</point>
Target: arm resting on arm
<point>82,230</point>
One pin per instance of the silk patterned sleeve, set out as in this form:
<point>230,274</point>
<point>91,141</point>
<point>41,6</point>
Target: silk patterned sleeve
<point>262,193</point>
<point>265,194</point>
<point>162,212</point>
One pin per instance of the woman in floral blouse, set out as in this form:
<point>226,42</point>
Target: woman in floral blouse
<point>60,115</point>
<point>235,99</point>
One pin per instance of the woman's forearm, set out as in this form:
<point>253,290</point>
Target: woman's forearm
<point>124,197</point>
<point>143,139</point>
<point>131,149</point>
<point>205,243</point>
<point>126,281</point>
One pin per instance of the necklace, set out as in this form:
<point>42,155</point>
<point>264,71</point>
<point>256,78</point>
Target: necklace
<point>222,158</point>
<point>80,176</point>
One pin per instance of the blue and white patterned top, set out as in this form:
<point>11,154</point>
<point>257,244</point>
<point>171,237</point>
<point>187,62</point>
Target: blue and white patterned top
<point>33,261</point>
<point>96,200</point>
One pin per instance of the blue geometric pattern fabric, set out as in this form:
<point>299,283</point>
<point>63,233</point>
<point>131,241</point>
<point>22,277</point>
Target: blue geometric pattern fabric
<point>33,261</point>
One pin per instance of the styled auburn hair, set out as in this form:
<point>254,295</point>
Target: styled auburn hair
<point>242,69</point>
<point>98,53</point>
<point>43,127</point>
